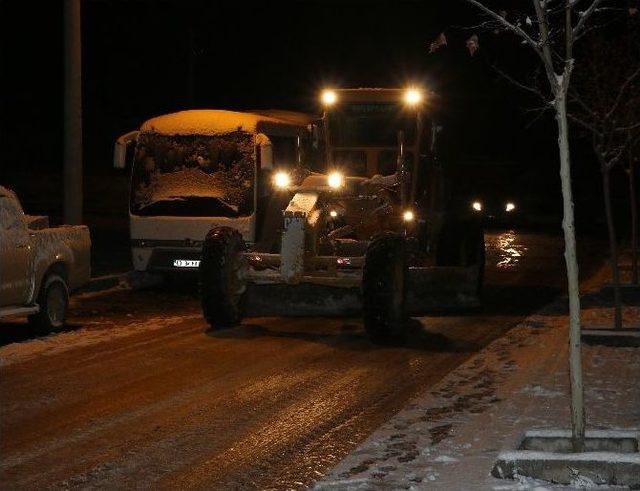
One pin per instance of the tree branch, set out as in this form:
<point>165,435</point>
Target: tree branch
<point>508,25</point>
<point>622,90</point>
<point>584,17</point>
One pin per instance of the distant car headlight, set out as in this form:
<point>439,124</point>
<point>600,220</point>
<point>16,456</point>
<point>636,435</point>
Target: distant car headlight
<point>408,216</point>
<point>281,180</point>
<point>333,214</point>
<point>510,207</point>
<point>335,180</point>
<point>476,205</point>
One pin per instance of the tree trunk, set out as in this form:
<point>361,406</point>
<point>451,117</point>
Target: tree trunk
<point>613,246</point>
<point>570,256</point>
<point>634,219</point>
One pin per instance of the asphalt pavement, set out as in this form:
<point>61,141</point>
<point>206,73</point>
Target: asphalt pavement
<point>137,392</point>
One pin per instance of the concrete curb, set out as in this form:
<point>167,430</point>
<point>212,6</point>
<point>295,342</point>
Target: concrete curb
<point>610,458</point>
<point>105,282</point>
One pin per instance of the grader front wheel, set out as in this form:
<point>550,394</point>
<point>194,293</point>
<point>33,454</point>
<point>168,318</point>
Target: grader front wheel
<point>221,282</point>
<point>384,289</point>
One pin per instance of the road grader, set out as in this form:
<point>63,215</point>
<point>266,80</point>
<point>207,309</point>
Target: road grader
<point>372,226</point>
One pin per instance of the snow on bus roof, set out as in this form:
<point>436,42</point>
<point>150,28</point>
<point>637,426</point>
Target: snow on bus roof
<point>211,122</point>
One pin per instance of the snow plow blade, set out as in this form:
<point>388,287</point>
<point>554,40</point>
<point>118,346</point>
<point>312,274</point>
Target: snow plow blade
<point>431,289</point>
<point>304,299</point>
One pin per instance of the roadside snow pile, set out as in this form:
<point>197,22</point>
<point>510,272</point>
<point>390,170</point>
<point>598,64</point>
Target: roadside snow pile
<point>207,122</point>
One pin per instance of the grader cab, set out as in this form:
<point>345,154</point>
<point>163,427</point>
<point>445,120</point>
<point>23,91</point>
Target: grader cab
<point>370,229</point>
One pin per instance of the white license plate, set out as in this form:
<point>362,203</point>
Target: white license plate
<point>186,263</point>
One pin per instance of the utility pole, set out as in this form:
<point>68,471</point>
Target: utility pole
<point>72,113</point>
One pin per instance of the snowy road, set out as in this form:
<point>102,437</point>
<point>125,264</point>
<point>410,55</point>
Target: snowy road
<point>137,391</point>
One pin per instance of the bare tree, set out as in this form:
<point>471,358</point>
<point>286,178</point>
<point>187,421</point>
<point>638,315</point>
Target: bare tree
<point>605,101</point>
<point>632,167</point>
<point>551,28</point>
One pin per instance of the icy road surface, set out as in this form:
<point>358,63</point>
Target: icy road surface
<point>137,392</point>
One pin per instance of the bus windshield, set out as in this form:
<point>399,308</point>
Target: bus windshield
<point>193,175</point>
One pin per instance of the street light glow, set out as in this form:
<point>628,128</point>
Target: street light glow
<point>477,206</point>
<point>408,216</point>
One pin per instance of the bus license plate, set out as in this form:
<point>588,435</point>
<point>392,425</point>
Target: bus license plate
<point>186,263</point>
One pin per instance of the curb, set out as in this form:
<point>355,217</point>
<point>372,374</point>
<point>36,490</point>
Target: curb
<point>101,283</point>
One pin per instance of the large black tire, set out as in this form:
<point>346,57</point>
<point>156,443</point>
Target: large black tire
<point>53,300</point>
<point>384,289</point>
<point>221,283</point>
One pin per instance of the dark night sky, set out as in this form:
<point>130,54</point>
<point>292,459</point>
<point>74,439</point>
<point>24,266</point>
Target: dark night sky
<point>136,65</point>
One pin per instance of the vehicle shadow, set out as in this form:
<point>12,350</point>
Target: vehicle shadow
<point>349,335</point>
<point>18,331</point>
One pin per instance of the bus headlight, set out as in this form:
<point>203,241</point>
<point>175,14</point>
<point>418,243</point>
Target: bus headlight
<point>476,205</point>
<point>281,180</point>
<point>335,180</point>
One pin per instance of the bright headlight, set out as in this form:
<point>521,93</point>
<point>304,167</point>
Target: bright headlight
<point>281,180</point>
<point>333,213</point>
<point>329,97</point>
<point>412,97</point>
<point>476,205</point>
<point>510,207</point>
<point>408,216</point>
<point>335,180</point>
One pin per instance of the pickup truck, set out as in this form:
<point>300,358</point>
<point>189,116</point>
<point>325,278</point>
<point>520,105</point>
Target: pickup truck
<point>39,265</point>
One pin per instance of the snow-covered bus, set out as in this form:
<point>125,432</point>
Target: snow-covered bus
<point>195,170</point>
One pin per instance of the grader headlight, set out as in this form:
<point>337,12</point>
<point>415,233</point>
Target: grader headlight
<point>335,180</point>
<point>408,216</point>
<point>412,97</point>
<point>281,180</point>
<point>328,97</point>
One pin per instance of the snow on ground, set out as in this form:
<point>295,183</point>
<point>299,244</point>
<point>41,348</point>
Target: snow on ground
<point>450,437</point>
<point>93,331</point>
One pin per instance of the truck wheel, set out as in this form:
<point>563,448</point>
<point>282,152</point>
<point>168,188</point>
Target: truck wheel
<point>384,289</point>
<point>53,300</point>
<point>221,283</point>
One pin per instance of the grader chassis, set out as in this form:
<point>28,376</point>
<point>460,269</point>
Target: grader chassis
<point>369,243</point>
